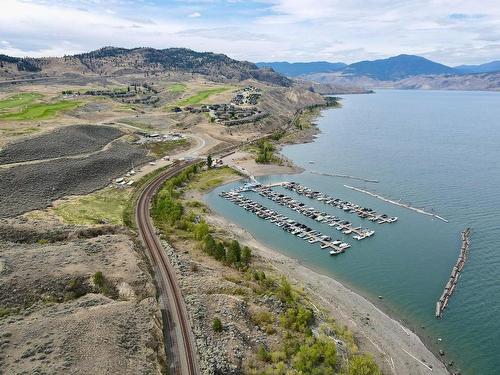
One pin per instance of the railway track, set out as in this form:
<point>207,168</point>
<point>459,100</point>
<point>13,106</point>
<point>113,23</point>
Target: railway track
<point>183,359</point>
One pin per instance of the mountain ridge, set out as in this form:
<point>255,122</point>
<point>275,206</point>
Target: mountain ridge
<point>489,67</point>
<point>300,68</point>
<point>142,60</point>
<point>397,67</point>
<point>393,68</point>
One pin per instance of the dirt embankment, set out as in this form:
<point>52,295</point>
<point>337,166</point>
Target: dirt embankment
<point>65,141</point>
<point>57,317</point>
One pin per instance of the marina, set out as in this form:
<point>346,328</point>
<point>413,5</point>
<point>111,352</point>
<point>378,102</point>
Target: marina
<point>298,229</point>
<point>442,303</point>
<point>339,224</point>
<point>346,206</point>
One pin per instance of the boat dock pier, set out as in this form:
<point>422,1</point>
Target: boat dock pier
<point>291,226</point>
<point>442,303</point>
<point>339,224</point>
<point>346,206</point>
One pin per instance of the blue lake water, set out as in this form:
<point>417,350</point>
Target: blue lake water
<point>436,150</point>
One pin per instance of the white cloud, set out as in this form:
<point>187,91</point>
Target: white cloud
<point>451,31</point>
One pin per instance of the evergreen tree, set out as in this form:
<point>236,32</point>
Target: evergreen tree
<point>220,252</point>
<point>209,245</point>
<point>246,255</point>
<point>233,252</point>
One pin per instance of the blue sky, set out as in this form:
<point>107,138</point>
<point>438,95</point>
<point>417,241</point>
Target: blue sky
<point>449,31</point>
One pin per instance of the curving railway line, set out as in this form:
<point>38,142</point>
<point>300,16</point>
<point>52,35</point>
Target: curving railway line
<point>179,340</point>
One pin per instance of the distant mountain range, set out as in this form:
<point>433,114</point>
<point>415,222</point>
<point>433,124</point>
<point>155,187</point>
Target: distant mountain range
<point>390,69</point>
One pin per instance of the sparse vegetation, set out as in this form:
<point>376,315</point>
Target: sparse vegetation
<point>6,311</point>
<point>104,206</point>
<point>159,149</point>
<point>177,87</point>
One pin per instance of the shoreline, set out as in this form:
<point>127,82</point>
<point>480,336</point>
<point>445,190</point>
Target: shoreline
<point>395,347</point>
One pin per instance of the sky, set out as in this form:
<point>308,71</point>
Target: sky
<point>452,32</point>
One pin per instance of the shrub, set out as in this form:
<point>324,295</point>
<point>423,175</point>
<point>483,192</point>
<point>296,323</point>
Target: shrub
<point>201,230</point>
<point>246,255</point>
<point>98,279</point>
<point>318,358</point>
<point>263,354</point>
<point>266,152</point>
<point>104,285</point>
<point>217,325</point>
<point>363,365</point>
<point>262,318</point>
<point>220,252</point>
<point>297,319</point>
<point>233,254</point>
<point>284,292</point>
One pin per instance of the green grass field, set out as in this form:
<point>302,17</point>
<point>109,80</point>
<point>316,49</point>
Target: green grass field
<point>104,205</point>
<point>177,87</point>
<point>212,178</point>
<point>19,100</point>
<point>200,96</point>
<point>40,111</point>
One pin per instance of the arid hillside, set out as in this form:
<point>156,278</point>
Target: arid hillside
<point>148,61</point>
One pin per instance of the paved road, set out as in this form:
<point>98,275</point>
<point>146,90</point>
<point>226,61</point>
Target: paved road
<point>179,340</point>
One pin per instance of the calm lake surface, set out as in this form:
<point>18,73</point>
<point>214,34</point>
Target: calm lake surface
<point>436,150</point>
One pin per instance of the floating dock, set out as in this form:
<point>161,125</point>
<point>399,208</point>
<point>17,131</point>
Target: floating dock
<point>291,226</point>
<point>442,303</point>
<point>346,206</point>
<point>397,203</point>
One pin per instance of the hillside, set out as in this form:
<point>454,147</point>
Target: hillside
<point>485,81</point>
<point>111,61</point>
<point>301,68</point>
<point>490,67</point>
<point>397,67</point>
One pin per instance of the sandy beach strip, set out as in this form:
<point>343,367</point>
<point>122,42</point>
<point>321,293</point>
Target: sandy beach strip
<point>397,349</point>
